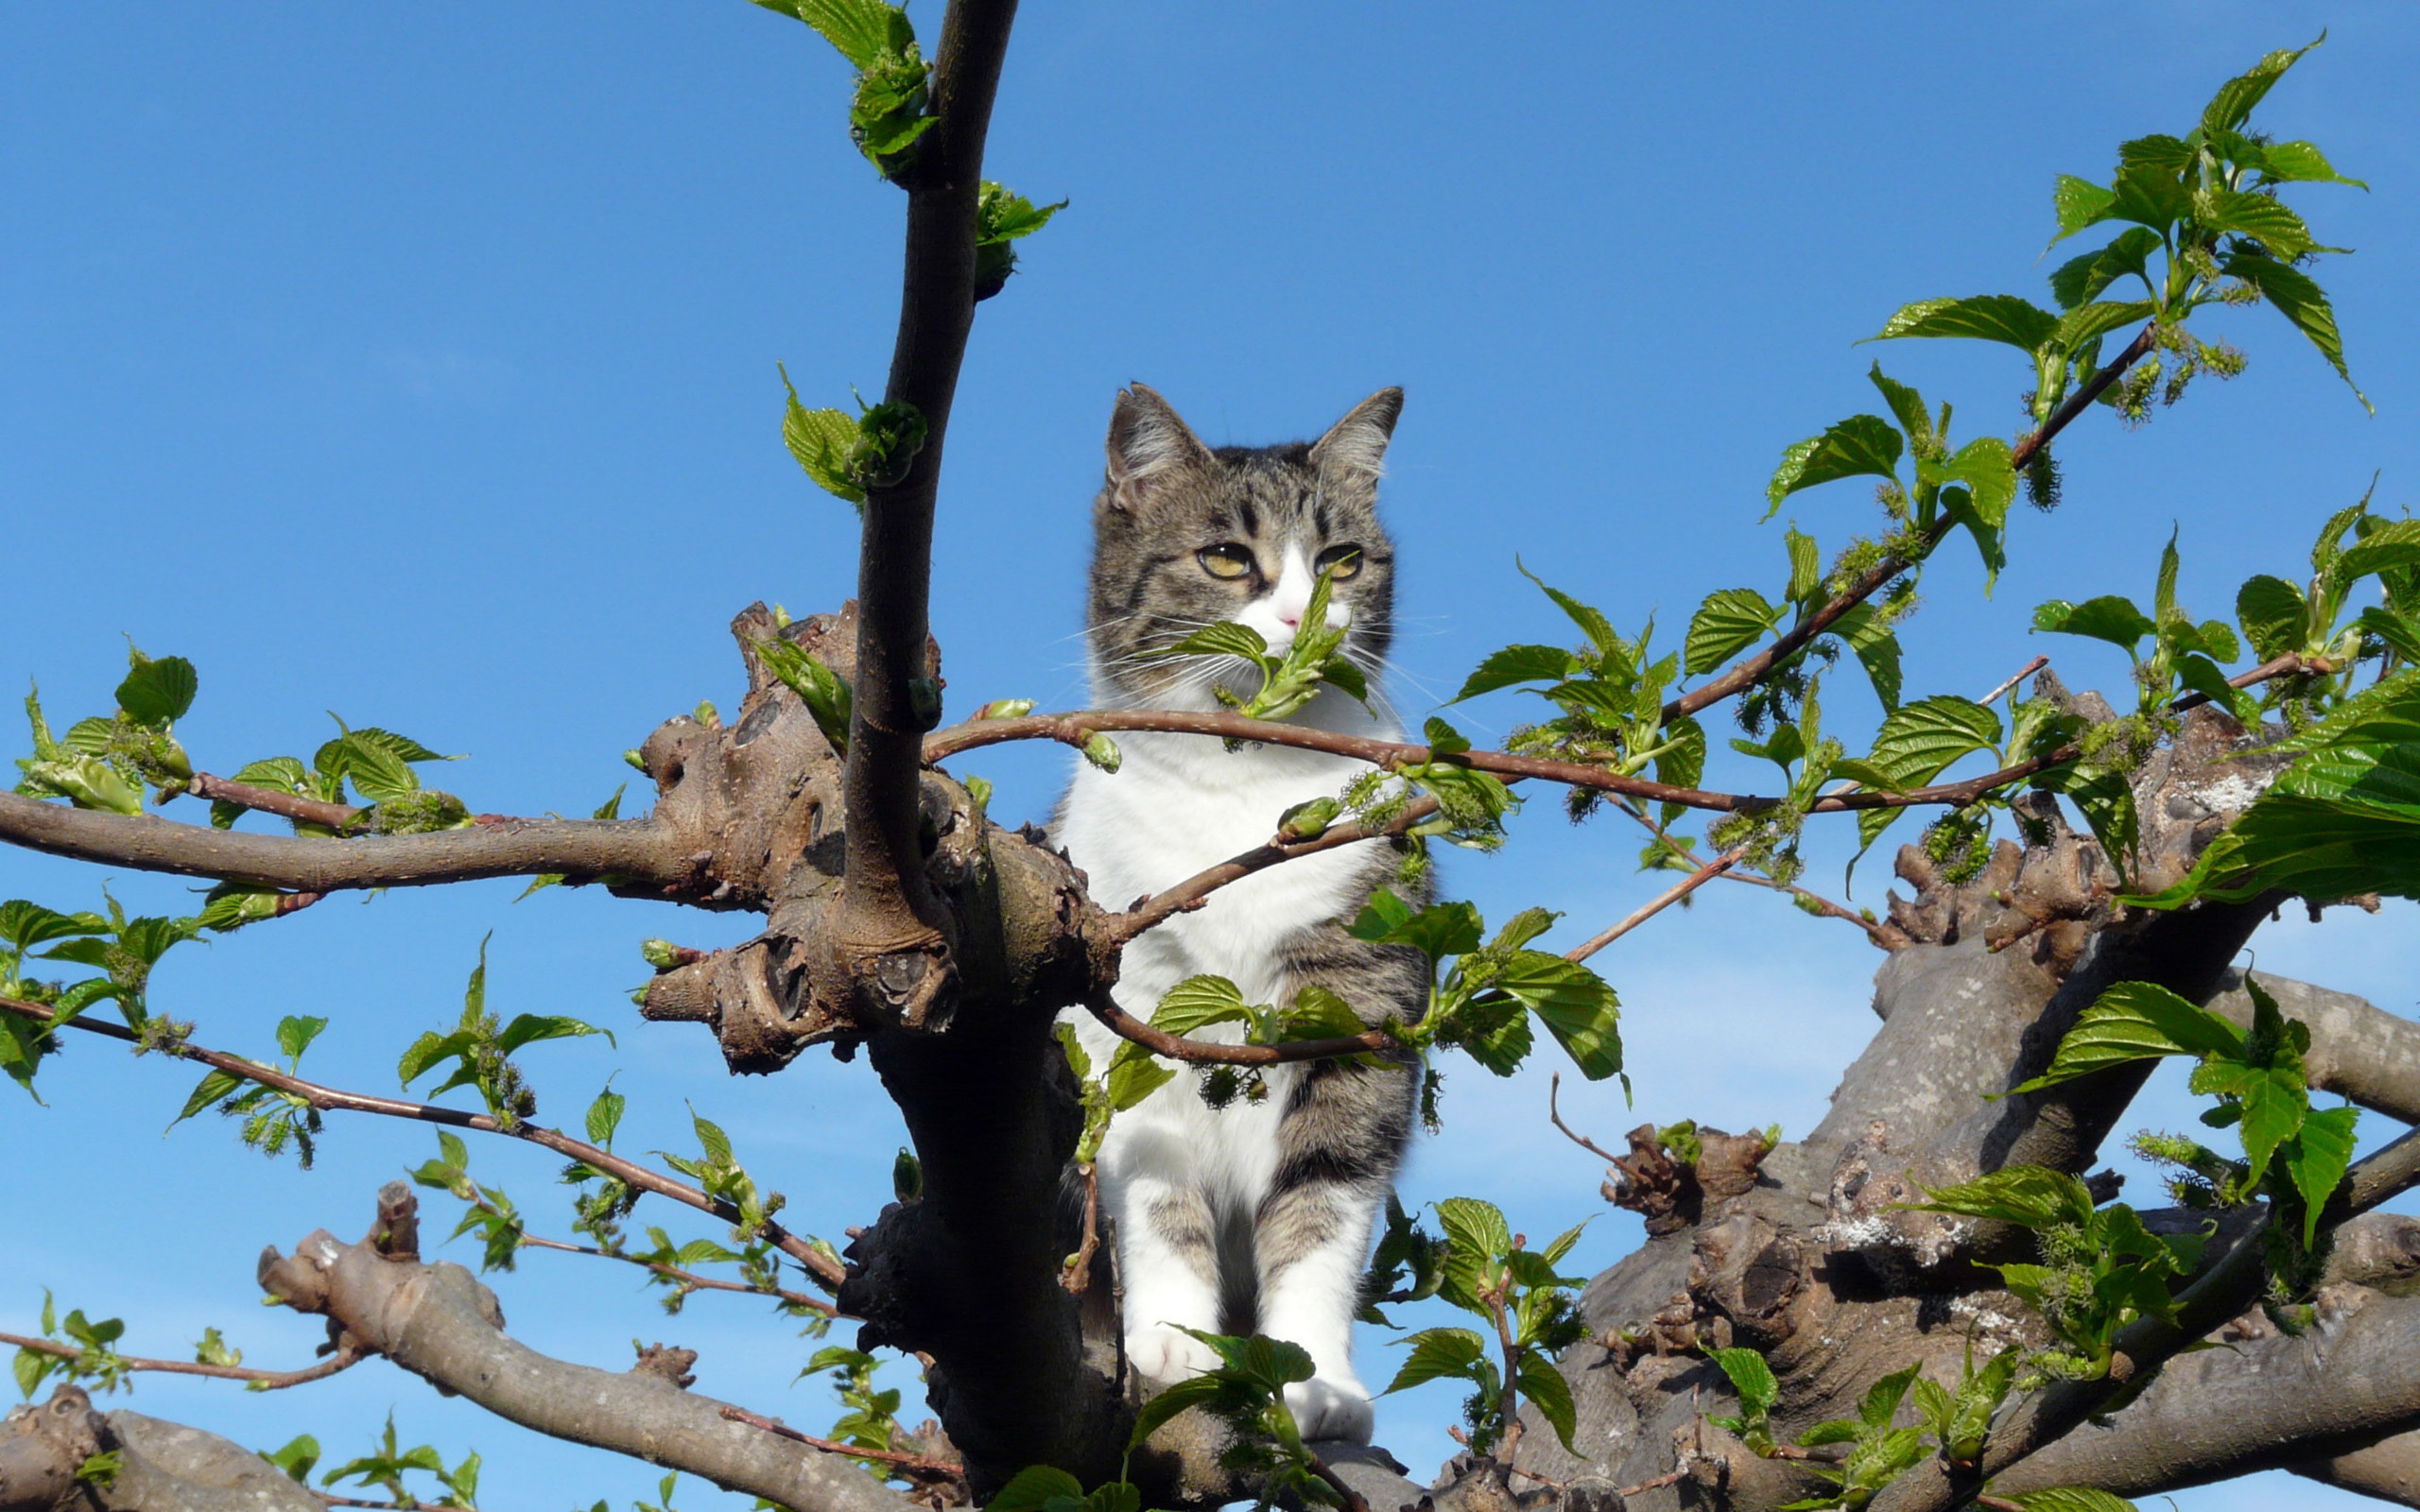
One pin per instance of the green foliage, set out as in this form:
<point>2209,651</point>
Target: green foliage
<point>1132,1074</point>
<point>95,1363</point>
<point>828,699</point>
<point>2343,820</point>
<point>724,1179</point>
<point>481,1049</point>
<point>1002,218</point>
<point>871,1421</point>
<point>1751,1382</point>
<point>1314,659</point>
<point>296,1458</point>
<point>887,113</point>
<point>1409,1265</point>
<point>1247,1391</point>
<point>2293,1153</point>
<point>1487,1270</point>
<point>105,762</point>
<point>490,1213</point>
<point>1047,1488</point>
<point>1878,1452</point>
<point>273,1118</point>
<point>845,455</point>
<point>1481,1003</point>
<point>388,1463</point>
<point>1961,1420</point>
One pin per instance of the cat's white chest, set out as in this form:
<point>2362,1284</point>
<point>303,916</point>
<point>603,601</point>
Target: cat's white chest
<point>1171,812</point>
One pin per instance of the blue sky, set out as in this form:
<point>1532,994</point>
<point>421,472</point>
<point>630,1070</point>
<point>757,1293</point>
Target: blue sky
<point>418,363</point>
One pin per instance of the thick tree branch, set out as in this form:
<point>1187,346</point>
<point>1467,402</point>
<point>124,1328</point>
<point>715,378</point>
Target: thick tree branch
<point>635,850</point>
<point>2263,1402</point>
<point>439,1323</point>
<point>2358,1050</point>
<point>163,1467</point>
<point>2388,1470</point>
<point>336,1100</point>
<point>897,695</point>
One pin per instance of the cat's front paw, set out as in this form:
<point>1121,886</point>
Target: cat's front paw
<point>1160,1351</point>
<point>1331,1407</point>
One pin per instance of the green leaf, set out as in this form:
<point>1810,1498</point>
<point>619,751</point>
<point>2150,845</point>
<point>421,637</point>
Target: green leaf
<point>1575,1005</point>
<point>1592,622</point>
<point>1200,1391</point>
<point>2267,220</point>
<point>1875,646</point>
<point>829,700</point>
<point>2071,1499</point>
<point>2298,297</point>
<point>1919,740</point>
<point>2079,204</point>
<point>1730,620</point>
<point>1805,565</point>
<point>2232,105</point>
<point>1907,405</point>
<point>1538,1380</point>
<point>1438,1353</point>
<point>1518,663</point>
<point>1861,444</point>
<point>2030,1195</point>
<point>1199,1001</point>
<point>1135,1078</point>
<point>819,441</point>
<point>2400,633</point>
<point>2391,544</point>
<point>2275,615</point>
<point>2137,1021</point>
<point>157,692</point>
<point>605,1116</point>
<point>295,1034</point>
<point>1033,1488</point>
<point>2110,618</point>
<point>1752,1378</point>
<point>2301,162</point>
<point>529,1028</point>
<point>2082,280</point>
<point>2002,317</point>
<point>2317,1158</point>
<point>215,1088</point>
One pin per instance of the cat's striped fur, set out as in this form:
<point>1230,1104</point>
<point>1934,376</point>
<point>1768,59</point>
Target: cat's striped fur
<point>1257,1216</point>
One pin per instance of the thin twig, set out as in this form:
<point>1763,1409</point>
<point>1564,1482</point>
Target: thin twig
<point>1077,1277</point>
<point>331,1099</point>
<point>265,1379</point>
<point>1554,1085</point>
<point>1671,895</point>
<point>1354,1501</point>
<point>1653,1484</point>
<point>688,1280</point>
<point>2014,678</point>
<point>912,1465</point>
<point>269,800</point>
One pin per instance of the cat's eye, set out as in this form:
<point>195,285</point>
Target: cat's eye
<point>1228,559</point>
<point>1342,561</point>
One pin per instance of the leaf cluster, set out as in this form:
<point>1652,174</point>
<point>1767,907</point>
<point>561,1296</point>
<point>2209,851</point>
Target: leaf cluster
<point>1482,1004</point>
<point>1534,1312</point>
<point>273,1118</point>
<point>96,1362</point>
<point>105,761</point>
<point>386,1465</point>
<point>847,455</point>
<point>481,1049</point>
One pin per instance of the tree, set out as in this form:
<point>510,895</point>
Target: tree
<point>991,1119</point>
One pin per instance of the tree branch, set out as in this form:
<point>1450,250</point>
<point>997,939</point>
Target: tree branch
<point>163,1467</point>
<point>635,850</point>
<point>1751,670</point>
<point>439,1323</point>
<point>1200,1052</point>
<point>2263,1402</point>
<point>331,1099</point>
<point>263,1380</point>
<point>886,900</point>
<point>1666,899</point>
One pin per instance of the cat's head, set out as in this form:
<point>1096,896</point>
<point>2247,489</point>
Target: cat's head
<point>1186,535</point>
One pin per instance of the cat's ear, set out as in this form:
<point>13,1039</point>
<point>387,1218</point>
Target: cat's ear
<point>1146,441</point>
<point>1356,446</point>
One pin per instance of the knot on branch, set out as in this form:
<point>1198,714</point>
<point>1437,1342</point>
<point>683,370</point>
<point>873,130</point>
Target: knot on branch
<point>42,1446</point>
<point>2058,889</point>
<point>757,806</point>
<point>395,1235</point>
<point>667,1361</point>
<point>1671,1183</point>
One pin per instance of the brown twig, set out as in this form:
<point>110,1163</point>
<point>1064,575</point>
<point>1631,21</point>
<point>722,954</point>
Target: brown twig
<point>1655,905</point>
<point>1554,1086</point>
<point>265,1379</point>
<point>268,801</point>
<point>688,1279</point>
<point>331,1099</point>
<point>1654,1483</point>
<point>1077,1276</point>
<point>1354,1501</point>
<point>1749,671</point>
<point>2014,677</point>
<point>916,1466</point>
<point>1194,1052</point>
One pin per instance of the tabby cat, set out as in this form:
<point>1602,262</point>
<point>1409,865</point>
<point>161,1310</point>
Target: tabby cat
<point>1255,1217</point>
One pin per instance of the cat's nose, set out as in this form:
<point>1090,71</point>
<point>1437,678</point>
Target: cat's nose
<point>1292,618</point>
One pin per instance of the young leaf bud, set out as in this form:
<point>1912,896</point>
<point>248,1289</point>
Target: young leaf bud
<point>1005,708</point>
<point>1102,752</point>
<point>1309,821</point>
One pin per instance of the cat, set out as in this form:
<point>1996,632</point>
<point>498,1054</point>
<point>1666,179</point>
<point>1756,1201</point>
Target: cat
<point>1257,1216</point>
